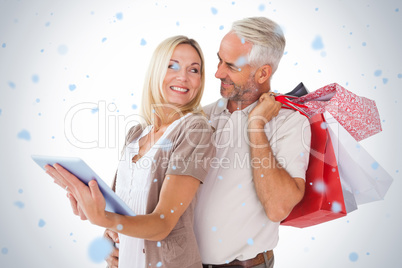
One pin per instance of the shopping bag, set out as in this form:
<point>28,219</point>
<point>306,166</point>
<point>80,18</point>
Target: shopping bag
<point>323,199</point>
<point>358,115</point>
<point>360,173</point>
<point>298,91</point>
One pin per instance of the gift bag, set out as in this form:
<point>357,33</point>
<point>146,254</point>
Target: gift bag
<point>323,199</point>
<point>358,115</point>
<point>359,171</point>
<point>298,91</point>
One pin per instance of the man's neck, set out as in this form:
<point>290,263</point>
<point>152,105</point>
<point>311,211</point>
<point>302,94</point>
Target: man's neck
<point>238,105</point>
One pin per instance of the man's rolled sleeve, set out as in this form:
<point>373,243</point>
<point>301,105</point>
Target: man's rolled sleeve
<point>291,141</point>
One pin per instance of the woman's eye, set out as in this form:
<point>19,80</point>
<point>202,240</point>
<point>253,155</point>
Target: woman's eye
<point>174,66</point>
<point>195,71</point>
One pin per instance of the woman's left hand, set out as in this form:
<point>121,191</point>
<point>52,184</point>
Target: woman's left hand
<point>89,198</point>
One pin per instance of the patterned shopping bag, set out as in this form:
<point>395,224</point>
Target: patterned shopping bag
<point>358,115</point>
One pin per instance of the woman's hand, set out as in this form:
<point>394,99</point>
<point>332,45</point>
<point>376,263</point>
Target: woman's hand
<point>86,201</point>
<point>76,208</point>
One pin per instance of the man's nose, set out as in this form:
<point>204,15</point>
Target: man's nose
<point>220,73</point>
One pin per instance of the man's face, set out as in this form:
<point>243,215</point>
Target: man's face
<point>236,75</point>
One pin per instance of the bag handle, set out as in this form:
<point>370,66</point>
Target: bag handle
<point>288,104</point>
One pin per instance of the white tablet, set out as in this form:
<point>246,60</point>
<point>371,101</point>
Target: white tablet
<point>83,172</point>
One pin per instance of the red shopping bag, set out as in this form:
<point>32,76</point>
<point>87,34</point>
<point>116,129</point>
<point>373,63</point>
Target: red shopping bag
<point>323,199</point>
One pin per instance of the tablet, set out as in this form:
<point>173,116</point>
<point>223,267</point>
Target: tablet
<point>83,172</point>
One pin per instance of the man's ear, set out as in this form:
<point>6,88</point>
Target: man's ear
<point>263,74</point>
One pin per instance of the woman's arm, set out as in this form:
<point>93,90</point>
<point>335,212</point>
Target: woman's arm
<point>176,195</point>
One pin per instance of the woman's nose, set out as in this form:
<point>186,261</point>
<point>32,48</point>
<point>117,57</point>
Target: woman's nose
<point>181,75</point>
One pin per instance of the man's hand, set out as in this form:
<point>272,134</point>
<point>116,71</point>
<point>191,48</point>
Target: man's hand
<point>113,259</point>
<point>266,109</point>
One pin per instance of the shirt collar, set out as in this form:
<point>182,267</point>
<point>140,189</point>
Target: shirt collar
<point>221,106</point>
<point>222,103</point>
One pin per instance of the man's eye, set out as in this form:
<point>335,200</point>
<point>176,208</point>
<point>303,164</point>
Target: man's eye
<point>234,68</point>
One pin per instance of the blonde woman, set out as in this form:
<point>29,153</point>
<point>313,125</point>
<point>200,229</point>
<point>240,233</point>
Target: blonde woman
<point>163,163</point>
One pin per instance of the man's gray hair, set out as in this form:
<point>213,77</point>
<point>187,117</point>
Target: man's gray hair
<point>267,39</point>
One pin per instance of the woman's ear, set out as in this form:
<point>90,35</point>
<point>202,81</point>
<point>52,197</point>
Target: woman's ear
<point>263,74</point>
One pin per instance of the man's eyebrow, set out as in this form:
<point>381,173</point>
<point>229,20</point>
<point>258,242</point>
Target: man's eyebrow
<point>231,65</point>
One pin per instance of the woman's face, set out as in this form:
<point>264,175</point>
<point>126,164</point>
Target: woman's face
<point>183,77</point>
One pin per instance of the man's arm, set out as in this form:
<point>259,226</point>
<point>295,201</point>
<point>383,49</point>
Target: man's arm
<point>276,189</point>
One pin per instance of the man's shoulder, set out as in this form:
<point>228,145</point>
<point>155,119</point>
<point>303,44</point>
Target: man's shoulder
<point>210,108</point>
<point>290,116</point>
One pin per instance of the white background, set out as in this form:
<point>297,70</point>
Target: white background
<point>103,49</point>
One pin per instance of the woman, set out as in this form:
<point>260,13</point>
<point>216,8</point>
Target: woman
<point>164,161</point>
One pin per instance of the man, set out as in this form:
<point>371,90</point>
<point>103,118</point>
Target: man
<point>262,150</point>
<point>258,174</point>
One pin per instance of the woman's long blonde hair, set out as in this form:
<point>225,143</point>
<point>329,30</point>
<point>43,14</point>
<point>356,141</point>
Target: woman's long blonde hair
<point>153,98</point>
